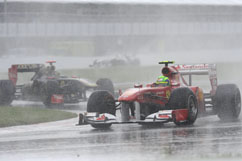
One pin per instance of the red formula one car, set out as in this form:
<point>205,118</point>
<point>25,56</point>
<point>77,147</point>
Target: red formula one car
<point>180,102</point>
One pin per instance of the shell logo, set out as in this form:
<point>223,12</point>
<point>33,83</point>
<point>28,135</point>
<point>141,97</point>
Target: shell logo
<point>200,95</point>
<point>168,94</point>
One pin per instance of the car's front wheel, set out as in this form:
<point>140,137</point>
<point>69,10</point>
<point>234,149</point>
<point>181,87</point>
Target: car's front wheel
<point>101,102</point>
<point>184,98</point>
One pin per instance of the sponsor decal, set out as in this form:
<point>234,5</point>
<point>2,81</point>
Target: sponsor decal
<point>101,118</point>
<point>163,116</point>
<point>28,66</point>
<point>198,66</point>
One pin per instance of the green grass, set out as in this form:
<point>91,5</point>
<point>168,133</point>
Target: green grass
<point>12,116</point>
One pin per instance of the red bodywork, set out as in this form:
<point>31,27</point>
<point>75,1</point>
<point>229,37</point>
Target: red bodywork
<point>150,104</point>
<point>160,95</point>
<point>180,115</point>
<point>13,74</point>
<point>57,99</point>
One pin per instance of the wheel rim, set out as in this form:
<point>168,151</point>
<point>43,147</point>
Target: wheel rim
<point>192,108</point>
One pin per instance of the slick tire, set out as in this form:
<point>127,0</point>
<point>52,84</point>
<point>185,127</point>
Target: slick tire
<point>50,88</point>
<point>227,102</point>
<point>7,90</point>
<point>105,84</point>
<point>101,102</point>
<point>184,98</point>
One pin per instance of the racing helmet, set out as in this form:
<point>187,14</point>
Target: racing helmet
<point>163,81</point>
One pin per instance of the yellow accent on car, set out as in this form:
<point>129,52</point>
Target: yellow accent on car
<point>166,61</point>
<point>168,94</point>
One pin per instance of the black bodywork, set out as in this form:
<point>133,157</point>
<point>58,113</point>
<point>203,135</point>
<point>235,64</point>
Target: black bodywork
<point>47,82</point>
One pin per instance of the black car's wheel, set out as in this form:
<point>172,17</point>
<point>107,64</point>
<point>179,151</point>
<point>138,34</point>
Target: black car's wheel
<point>48,89</point>
<point>7,90</point>
<point>184,98</point>
<point>105,84</point>
<point>227,102</point>
<point>101,102</point>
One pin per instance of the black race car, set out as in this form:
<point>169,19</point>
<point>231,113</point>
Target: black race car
<point>47,85</point>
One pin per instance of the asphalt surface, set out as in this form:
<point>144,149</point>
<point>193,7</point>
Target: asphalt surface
<point>207,139</point>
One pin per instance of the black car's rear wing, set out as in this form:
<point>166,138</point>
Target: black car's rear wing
<point>28,67</point>
<point>13,71</point>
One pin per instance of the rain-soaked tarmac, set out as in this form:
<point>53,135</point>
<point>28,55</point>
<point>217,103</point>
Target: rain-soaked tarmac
<point>207,139</point>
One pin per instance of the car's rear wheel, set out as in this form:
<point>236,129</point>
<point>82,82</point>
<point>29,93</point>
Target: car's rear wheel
<point>227,102</point>
<point>101,102</point>
<point>184,98</point>
<point>7,90</point>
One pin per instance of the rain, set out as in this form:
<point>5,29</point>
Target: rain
<point>121,41</point>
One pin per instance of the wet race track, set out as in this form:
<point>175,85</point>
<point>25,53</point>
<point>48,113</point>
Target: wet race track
<point>207,139</point>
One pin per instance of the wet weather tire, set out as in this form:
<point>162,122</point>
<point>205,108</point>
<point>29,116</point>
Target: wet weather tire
<point>50,88</point>
<point>7,90</point>
<point>101,102</point>
<point>105,84</point>
<point>227,102</point>
<point>184,98</point>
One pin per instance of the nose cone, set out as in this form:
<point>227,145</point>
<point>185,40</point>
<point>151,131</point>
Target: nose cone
<point>129,95</point>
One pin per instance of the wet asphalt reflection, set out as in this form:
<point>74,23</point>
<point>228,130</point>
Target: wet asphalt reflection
<point>207,139</point>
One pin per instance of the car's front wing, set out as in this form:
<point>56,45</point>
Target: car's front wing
<point>162,116</point>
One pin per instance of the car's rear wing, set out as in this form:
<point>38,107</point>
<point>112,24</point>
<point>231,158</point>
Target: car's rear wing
<point>200,69</point>
<point>13,71</point>
<point>197,69</point>
<point>27,67</point>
